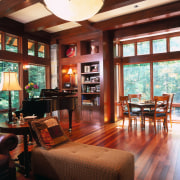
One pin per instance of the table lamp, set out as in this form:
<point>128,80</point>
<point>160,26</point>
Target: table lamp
<point>9,82</point>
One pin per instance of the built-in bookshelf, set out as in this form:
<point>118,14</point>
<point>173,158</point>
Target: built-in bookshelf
<point>90,84</point>
<point>88,65</point>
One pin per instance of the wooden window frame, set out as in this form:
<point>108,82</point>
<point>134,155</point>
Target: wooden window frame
<point>19,43</point>
<point>149,58</point>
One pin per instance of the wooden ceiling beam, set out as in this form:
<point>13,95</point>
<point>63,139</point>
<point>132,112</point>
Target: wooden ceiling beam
<point>52,20</point>
<point>43,23</point>
<point>149,15</point>
<point>11,6</point>
<point>160,26</point>
<point>87,25</point>
<point>70,32</point>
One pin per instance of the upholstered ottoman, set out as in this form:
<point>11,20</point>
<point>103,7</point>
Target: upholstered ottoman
<point>76,161</point>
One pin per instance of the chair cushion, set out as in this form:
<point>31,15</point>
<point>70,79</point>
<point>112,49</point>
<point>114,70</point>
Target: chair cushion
<point>151,114</point>
<point>49,132</point>
<point>131,113</point>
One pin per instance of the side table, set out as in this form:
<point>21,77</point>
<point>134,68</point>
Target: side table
<point>19,129</point>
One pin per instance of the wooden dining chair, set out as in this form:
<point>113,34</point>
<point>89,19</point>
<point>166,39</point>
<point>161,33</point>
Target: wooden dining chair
<point>169,112</point>
<point>124,105</point>
<point>135,98</point>
<point>160,111</point>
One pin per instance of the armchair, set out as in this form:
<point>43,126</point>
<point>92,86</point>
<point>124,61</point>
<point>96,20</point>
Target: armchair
<point>7,167</point>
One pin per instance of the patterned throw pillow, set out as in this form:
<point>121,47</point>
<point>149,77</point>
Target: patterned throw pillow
<point>49,132</point>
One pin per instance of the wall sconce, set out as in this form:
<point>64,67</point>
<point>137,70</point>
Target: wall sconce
<point>26,67</point>
<point>70,72</point>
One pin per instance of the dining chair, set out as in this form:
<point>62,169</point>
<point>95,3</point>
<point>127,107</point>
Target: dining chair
<point>160,111</point>
<point>169,112</point>
<point>124,105</point>
<point>135,98</point>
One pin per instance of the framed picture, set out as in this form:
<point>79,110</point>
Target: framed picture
<point>94,68</point>
<point>93,89</point>
<point>97,88</point>
<point>94,79</point>
<point>86,69</point>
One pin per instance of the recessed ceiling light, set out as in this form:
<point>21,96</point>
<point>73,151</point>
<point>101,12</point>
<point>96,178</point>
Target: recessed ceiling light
<point>136,6</point>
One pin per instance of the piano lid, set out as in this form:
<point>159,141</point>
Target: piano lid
<point>53,92</point>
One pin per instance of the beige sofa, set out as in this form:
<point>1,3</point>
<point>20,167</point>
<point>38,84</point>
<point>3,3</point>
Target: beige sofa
<point>76,161</point>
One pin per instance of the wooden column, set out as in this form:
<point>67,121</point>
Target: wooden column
<point>108,76</point>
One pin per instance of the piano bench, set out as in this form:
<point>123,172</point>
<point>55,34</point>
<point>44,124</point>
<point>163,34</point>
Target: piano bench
<point>76,161</point>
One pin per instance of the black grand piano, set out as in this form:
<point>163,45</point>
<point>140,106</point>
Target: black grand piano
<point>50,100</point>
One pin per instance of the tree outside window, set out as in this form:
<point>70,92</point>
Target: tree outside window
<point>37,75</point>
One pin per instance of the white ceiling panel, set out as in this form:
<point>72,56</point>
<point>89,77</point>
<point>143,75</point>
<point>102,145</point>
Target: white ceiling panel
<point>65,26</point>
<point>30,13</point>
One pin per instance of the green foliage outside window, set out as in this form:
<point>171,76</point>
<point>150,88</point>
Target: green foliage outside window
<point>137,79</point>
<point>4,101</point>
<point>11,44</point>
<point>166,78</point>
<point>128,50</point>
<point>37,75</point>
<point>41,50</point>
<point>175,43</point>
<point>143,48</point>
<point>31,48</point>
<point>159,46</point>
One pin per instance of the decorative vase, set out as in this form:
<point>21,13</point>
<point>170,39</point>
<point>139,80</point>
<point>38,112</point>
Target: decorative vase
<point>31,94</point>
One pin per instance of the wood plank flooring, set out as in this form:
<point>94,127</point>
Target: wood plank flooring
<point>157,156</point>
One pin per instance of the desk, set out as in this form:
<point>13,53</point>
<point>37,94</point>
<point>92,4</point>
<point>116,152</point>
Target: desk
<point>142,106</point>
<point>17,129</point>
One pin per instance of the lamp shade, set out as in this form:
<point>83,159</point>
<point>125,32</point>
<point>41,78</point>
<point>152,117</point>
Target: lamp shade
<point>70,71</point>
<point>74,10</point>
<point>9,82</point>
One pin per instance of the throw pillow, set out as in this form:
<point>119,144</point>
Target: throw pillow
<point>49,132</point>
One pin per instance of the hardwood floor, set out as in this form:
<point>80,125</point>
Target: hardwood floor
<point>157,156</point>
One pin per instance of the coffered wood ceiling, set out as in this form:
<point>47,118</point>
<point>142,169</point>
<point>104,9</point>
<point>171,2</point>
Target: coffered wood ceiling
<point>115,14</point>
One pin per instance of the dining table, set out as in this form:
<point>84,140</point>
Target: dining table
<point>143,106</point>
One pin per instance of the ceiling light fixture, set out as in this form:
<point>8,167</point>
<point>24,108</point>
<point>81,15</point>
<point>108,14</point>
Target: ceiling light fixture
<point>74,10</point>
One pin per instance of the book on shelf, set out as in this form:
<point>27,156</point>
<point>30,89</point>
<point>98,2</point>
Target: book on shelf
<point>87,102</point>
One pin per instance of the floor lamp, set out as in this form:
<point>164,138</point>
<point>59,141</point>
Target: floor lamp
<point>9,82</point>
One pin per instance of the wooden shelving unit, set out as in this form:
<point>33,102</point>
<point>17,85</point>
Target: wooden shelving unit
<point>90,84</point>
<point>89,66</point>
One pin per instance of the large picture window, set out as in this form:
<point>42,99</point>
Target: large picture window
<point>4,101</point>
<point>166,78</point>
<point>137,79</point>
<point>37,75</point>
